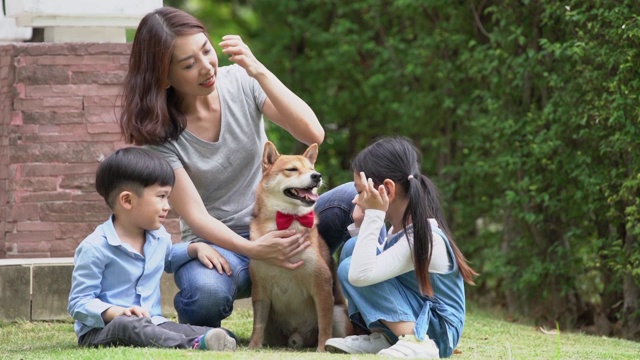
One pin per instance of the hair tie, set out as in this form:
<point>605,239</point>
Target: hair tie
<point>409,177</point>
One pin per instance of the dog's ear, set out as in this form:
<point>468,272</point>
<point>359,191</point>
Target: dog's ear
<point>269,156</point>
<point>311,153</point>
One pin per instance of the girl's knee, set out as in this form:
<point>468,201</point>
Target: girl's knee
<point>343,272</point>
<point>347,249</point>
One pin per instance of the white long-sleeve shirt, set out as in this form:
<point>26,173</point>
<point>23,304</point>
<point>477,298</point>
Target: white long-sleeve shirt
<point>368,268</point>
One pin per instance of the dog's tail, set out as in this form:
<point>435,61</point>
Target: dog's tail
<point>342,326</point>
<point>338,297</point>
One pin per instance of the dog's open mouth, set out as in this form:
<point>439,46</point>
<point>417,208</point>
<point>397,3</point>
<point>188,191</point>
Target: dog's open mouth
<point>308,196</point>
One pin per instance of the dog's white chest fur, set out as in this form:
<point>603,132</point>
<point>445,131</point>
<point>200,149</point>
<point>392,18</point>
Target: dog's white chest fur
<point>289,292</point>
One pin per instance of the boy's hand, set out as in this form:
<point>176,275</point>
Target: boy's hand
<point>370,197</point>
<point>137,311</point>
<point>209,257</point>
<point>116,311</point>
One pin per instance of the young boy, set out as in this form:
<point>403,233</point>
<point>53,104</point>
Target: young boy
<point>115,287</point>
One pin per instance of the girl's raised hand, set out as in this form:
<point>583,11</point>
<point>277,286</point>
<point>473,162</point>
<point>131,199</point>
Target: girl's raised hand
<point>370,197</point>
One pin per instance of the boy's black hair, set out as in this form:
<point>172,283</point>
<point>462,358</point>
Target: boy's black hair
<point>133,169</point>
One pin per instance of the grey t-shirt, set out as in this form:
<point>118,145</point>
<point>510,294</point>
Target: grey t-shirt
<point>226,172</point>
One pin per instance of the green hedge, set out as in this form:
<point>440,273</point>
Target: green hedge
<point>527,113</point>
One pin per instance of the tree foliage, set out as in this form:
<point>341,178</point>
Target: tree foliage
<point>527,113</point>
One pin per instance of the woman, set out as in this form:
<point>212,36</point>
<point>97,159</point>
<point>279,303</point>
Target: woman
<point>207,121</point>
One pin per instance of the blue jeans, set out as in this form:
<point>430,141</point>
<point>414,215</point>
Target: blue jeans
<point>206,297</point>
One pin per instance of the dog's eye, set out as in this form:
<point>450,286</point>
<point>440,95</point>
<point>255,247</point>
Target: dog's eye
<point>292,169</point>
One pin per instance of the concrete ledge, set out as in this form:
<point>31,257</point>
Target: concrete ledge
<point>38,289</point>
<point>50,286</point>
<point>15,283</point>
<point>37,261</point>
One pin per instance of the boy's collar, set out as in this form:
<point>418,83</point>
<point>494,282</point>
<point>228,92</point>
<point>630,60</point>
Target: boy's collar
<point>113,238</point>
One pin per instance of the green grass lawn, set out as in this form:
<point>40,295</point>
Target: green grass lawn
<point>486,336</point>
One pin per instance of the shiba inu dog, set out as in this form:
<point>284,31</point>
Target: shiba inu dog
<point>302,307</point>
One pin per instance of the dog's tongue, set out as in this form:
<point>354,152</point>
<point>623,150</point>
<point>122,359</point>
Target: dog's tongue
<point>308,194</point>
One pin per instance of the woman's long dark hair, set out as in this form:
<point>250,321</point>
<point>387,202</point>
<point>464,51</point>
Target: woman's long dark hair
<point>151,113</point>
<point>398,159</point>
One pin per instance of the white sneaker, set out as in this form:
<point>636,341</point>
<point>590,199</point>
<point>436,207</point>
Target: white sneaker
<point>358,344</point>
<point>409,347</point>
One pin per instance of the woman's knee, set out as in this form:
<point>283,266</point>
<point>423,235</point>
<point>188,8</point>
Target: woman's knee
<point>204,298</point>
<point>334,209</point>
<point>203,310</point>
<point>341,195</point>
<point>216,290</point>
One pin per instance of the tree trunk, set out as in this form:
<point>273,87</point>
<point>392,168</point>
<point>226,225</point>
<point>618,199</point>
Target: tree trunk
<point>631,295</point>
<point>510,232</point>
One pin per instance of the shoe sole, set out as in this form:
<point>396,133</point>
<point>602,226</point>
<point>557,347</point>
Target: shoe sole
<point>341,348</point>
<point>218,340</point>
<point>334,350</point>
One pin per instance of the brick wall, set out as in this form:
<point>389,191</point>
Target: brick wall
<point>58,108</point>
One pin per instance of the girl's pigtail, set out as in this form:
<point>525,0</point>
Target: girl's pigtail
<point>418,213</point>
<point>433,198</point>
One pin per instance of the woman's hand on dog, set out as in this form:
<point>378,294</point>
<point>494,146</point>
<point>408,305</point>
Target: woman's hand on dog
<point>209,257</point>
<point>278,247</point>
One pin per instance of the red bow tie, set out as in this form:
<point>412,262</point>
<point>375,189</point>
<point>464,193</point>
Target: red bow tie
<point>283,221</point>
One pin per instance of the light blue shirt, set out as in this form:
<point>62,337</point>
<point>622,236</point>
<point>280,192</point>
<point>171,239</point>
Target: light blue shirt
<point>108,272</point>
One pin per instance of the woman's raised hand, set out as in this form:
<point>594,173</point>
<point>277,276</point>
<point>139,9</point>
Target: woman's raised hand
<point>239,53</point>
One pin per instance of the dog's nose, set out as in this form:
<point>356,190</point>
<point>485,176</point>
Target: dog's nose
<point>316,177</point>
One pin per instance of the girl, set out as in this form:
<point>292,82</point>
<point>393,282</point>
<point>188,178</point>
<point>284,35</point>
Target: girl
<point>207,121</point>
<point>407,291</point>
